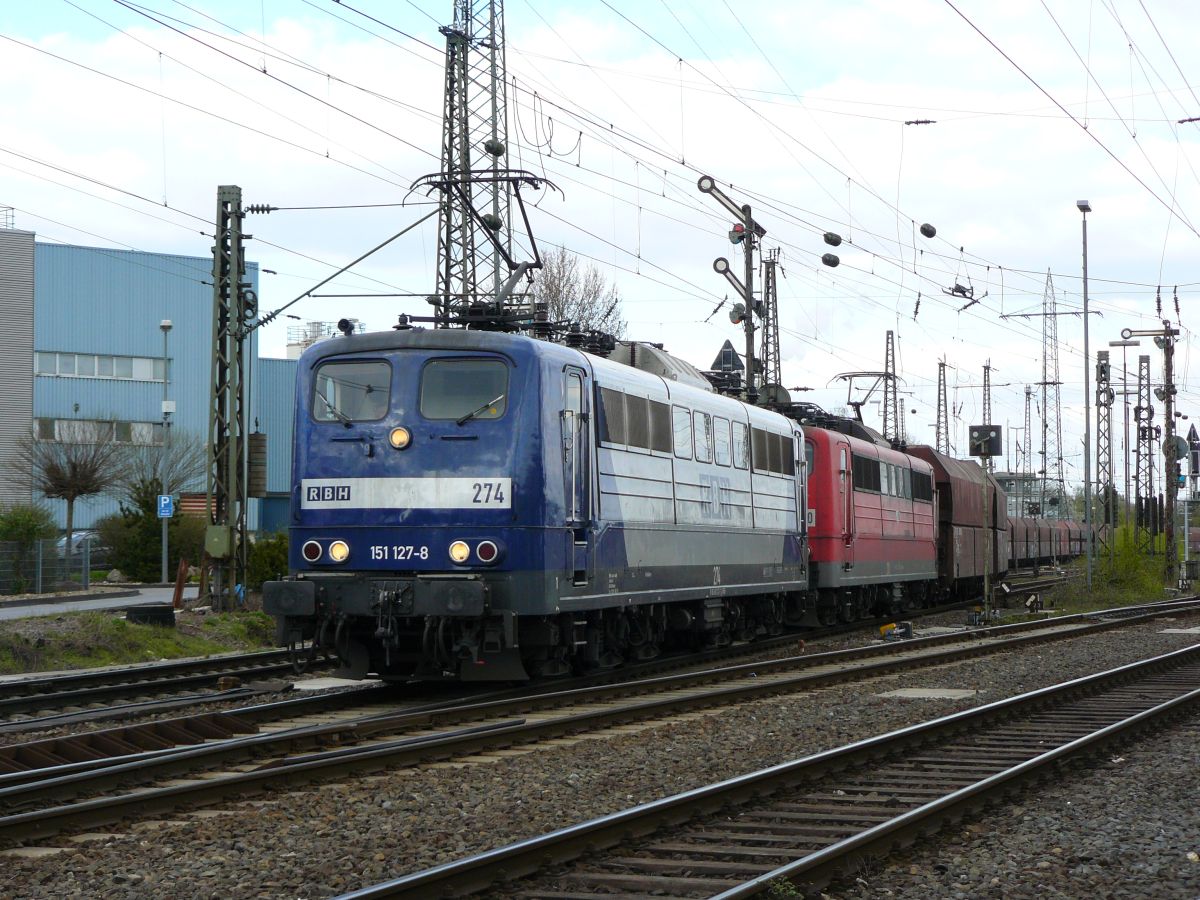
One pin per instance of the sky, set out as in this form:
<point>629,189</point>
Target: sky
<point>122,119</point>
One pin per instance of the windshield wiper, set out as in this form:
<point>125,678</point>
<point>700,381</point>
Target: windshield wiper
<point>473,413</point>
<point>337,413</point>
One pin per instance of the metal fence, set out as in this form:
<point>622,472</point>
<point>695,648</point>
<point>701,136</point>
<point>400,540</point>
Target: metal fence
<point>47,566</point>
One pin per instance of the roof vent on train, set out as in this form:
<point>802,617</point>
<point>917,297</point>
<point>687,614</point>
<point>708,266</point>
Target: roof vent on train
<point>654,359</point>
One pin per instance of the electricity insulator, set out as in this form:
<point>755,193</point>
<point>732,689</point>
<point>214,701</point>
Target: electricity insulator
<point>928,230</point>
<point>831,260</point>
<point>833,240</point>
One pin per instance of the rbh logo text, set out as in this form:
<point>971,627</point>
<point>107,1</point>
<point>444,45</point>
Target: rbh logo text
<point>329,492</point>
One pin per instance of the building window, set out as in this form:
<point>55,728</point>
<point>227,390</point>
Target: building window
<point>90,365</point>
<point>90,431</point>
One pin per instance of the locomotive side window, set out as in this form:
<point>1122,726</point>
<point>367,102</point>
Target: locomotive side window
<point>866,474</point>
<point>573,394</point>
<point>703,426</point>
<point>464,388</point>
<point>660,426</point>
<point>637,421</point>
<point>741,455</point>
<point>681,420</point>
<point>787,454</point>
<point>759,455</point>
<point>612,416</point>
<point>721,440</point>
<point>772,452</point>
<point>922,487</point>
<point>351,391</point>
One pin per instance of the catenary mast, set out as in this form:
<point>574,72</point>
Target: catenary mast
<point>475,204</point>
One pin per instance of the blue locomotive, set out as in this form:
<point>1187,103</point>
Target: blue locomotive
<point>489,506</point>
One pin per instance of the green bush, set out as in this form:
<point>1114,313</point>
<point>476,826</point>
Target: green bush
<point>1121,575</point>
<point>23,525</point>
<point>268,560</point>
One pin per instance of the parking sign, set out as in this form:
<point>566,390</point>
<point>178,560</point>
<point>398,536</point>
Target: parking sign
<point>166,506</point>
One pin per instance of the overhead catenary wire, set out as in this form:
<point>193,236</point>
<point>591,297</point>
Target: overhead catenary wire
<point>880,256</point>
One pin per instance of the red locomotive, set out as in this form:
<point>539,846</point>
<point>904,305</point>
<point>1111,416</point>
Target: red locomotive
<point>895,529</point>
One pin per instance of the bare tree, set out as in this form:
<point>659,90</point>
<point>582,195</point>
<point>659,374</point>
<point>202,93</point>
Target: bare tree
<point>581,297</point>
<point>174,465</point>
<point>82,461</point>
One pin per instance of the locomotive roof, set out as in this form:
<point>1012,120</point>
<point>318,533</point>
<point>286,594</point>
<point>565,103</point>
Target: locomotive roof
<point>435,339</point>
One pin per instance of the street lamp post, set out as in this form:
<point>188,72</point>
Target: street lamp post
<point>1085,208</point>
<point>167,409</point>
<point>1125,345</point>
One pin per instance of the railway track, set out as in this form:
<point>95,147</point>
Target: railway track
<point>25,697</point>
<point>44,799</point>
<point>795,826</point>
<point>28,704</point>
<point>42,706</point>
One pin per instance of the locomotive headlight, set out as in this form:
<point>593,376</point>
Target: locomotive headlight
<point>459,552</point>
<point>400,437</point>
<point>486,551</point>
<point>339,551</point>
<point>311,551</point>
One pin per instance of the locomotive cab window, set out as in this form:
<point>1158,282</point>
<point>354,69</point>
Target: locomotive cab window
<point>351,391</point>
<point>464,388</point>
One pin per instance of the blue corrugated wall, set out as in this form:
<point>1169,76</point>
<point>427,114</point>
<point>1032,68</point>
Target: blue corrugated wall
<point>110,302</point>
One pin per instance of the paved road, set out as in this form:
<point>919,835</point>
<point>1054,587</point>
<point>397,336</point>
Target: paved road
<point>144,595</point>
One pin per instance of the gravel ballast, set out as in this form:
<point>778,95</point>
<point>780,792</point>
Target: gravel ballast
<point>326,839</point>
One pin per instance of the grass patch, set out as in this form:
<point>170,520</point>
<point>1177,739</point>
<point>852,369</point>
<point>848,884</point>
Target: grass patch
<point>249,629</point>
<point>1122,577</point>
<point>88,639</point>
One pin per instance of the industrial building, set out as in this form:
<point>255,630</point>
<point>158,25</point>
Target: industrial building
<point>84,338</point>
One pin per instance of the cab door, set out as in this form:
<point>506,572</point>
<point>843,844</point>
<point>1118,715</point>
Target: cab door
<point>846,486</point>
<point>577,469</point>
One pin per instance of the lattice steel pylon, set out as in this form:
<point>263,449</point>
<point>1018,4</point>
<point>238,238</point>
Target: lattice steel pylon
<point>891,407</point>
<point>1104,461</point>
<point>1027,467</point>
<point>471,267</point>
<point>1143,415</point>
<point>987,405</point>
<point>769,352</point>
<point>1052,458</point>
<point>942,439</point>
<point>234,304</point>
